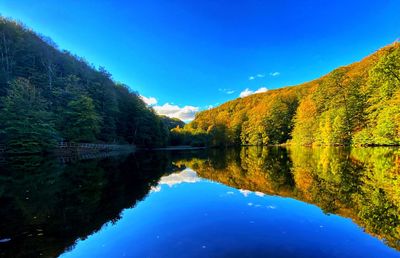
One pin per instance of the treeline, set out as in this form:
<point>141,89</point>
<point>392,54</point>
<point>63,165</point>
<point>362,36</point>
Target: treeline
<point>358,104</point>
<point>48,95</point>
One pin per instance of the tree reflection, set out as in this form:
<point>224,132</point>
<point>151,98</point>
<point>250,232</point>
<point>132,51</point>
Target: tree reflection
<point>362,183</point>
<point>46,206</point>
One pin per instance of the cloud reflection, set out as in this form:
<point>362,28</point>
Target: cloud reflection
<point>186,176</point>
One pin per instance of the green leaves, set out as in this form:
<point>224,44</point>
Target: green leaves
<point>58,94</point>
<point>385,76</point>
<point>81,120</point>
<point>27,126</point>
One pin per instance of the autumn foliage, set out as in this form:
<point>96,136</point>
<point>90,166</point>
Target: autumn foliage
<point>357,104</point>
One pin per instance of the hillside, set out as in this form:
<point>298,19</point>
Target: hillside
<point>171,123</point>
<point>49,95</point>
<point>355,104</point>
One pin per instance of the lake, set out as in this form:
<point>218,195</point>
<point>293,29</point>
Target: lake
<point>247,202</point>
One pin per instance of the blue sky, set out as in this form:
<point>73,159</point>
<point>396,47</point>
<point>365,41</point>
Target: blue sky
<point>202,53</point>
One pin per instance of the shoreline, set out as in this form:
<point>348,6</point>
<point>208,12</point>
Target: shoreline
<point>183,147</point>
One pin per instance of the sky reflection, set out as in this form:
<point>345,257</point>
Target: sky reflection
<point>194,217</point>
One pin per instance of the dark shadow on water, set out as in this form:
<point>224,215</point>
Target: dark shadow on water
<point>47,205</point>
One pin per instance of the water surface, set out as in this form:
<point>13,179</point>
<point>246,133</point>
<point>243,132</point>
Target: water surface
<point>250,202</point>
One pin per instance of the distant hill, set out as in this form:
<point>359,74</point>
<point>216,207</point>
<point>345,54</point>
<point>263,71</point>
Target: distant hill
<point>171,123</point>
<point>49,95</point>
<point>355,104</point>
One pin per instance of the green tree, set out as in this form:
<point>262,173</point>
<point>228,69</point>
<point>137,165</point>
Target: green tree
<point>325,129</point>
<point>387,130</point>
<point>81,120</point>
<point>218,135</point>
<point>385,76</point>
<point>27,126</point>
<point>279,122</point>
<point>62,78</point>
<point>305,122</point>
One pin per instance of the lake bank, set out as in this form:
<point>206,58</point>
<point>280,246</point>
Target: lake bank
<point>182,147</point>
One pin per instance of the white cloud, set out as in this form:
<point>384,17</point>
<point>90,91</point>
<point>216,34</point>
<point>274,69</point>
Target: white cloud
<point>260,194</point>
<point>245,93</point>
<point>248,92</point>
<point>253,77</point>
<point>227,91</point>
<point>261,90</point>
<point>155,189</point>
<point>186,176</point>
<point>149,100</point>
<point>245,192</point>
<point>248,192</point>
<point>185,113</point>
<point>274,74</point>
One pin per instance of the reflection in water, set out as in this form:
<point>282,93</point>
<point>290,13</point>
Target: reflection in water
<point>46,206</point>
<point>362,184</point>
<point>186,176</point>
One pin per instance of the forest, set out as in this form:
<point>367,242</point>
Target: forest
<point>358,104</point>
<point>48,95</point>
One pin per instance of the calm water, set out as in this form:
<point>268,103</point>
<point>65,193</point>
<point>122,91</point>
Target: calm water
<point>250,202</point>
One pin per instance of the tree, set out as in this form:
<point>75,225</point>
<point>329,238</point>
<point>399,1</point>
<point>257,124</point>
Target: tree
<point>387,130</point>
<point>385,76</point>
<point>279,121</point>
<point>325,135</point>
<point>27,126</point>
<point>62,78</point>
<point>305,122</point>
<point>81,120</point>
<point>341,134</point>
<point>218,135</point>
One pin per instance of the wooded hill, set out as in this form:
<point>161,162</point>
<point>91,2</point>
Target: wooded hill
<point>355,104</point>
<point>50,95</point>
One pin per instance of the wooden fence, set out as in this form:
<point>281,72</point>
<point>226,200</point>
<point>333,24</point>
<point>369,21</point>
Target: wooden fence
<point>95,146</point>
<point>65,159</point>
<point>92,147</point>
<point>66,147</point>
